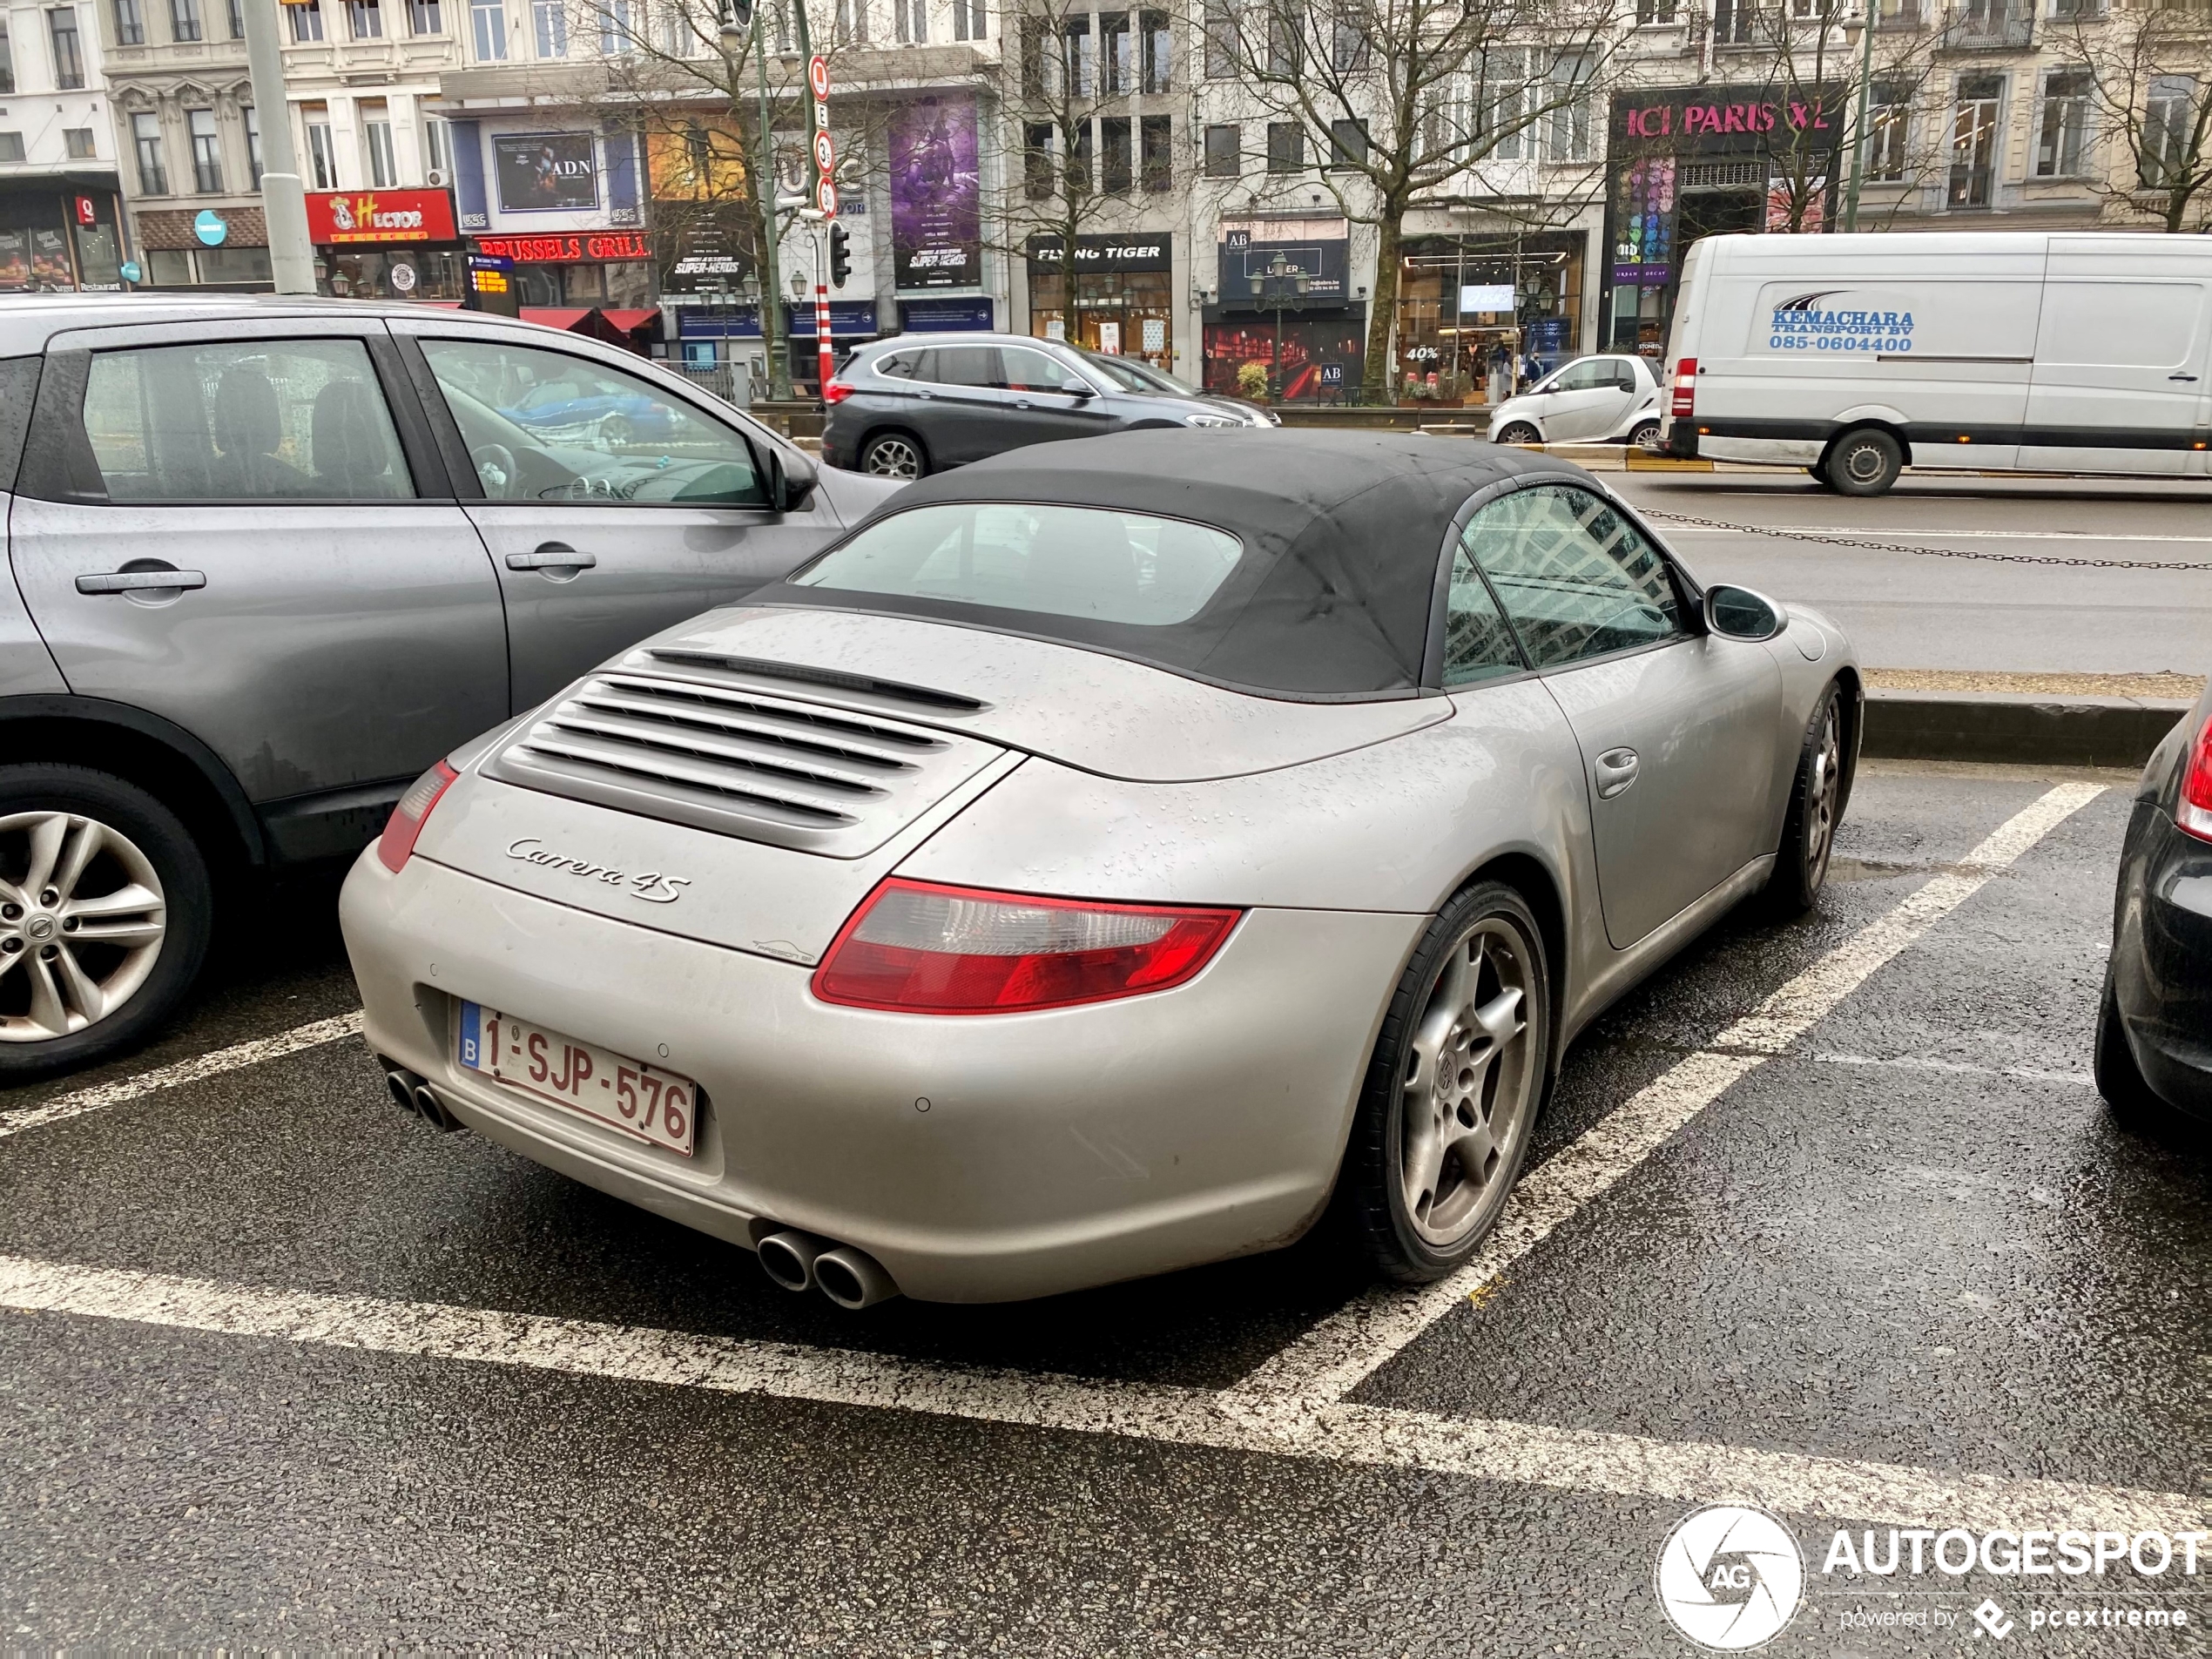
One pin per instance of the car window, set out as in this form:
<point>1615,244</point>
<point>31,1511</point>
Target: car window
<point>965,366</point>
<point>1585,376</point>
<point>543,426</point>
<point>899,365</point>
<point>1121,374</point>
<point>285,420</point>
<point>1577,580</point>
<point>1063,561</point>
<point>1477,644</point>
<point>1032,371</point>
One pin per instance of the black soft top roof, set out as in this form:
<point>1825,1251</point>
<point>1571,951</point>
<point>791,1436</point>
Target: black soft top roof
<point>1342,533</point>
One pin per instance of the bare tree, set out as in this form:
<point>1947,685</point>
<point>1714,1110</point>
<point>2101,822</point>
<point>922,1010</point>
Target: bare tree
<point>1410,100</point>
<point>2141,74</point>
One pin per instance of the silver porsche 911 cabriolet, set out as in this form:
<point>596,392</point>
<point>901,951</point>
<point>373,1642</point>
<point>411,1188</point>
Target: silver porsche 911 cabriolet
<point>1103,857</point>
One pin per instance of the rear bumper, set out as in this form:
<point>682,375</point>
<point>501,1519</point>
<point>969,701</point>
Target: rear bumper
<point>2162,960</point>
<point>1058,1150</point>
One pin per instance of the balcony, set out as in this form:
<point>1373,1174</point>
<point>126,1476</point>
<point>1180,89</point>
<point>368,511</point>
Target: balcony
<point>1988,28</point>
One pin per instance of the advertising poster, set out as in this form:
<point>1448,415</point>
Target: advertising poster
<point>547,172</point>
<point>936,208</point>
<point>1643,222</point>
<point>14,260</point>
<point>50,259</point>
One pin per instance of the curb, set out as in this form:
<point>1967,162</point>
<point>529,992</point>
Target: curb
<point>2009,727</point>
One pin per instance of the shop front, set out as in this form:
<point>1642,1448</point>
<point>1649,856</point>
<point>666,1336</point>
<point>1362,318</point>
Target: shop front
<point>1287,328</point>
<point>388,245</point>
<point>1479,317</point>
<point>1119,301</point>
<point>1692,162</point>
<point>60,234</point>
<point>565,203</point>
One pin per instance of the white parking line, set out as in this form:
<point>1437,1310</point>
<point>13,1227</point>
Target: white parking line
<point>311,1035</point>
<point>1860,533</point>
<point>1521,1454</point>
<point>1959,1068</point>
<point>1344,1348</point>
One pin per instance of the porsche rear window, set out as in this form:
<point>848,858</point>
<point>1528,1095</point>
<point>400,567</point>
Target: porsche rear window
<point>1042,559</point>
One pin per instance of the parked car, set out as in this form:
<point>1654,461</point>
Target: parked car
<point>2154,1054</point>
<point>1101,856</point>
<point>2036,351</point>
<point>1593,400</point>
<point>272,558</point>
<point>919,403</point>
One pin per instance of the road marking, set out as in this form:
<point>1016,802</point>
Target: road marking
<point>1348,1346</point>
<point>1860,533</point>
<point>1332,1431</point>
<point>1909,1062</point>
<point>311,1035</point>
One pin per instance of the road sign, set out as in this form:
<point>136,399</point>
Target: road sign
<point>825,153</point>
<point>826,196</point>
<point>818,75</point>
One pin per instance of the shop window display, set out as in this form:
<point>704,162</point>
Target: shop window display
<point>1480,317</point>
<point>1120,313</point>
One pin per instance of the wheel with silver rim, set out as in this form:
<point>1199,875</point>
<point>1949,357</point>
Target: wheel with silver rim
<point>1519,432</point>
<point>1645,437</point>
<point>1817,796</point>
<point>1454,1090</point>
<point>104,912</point>
<point>893,455</point>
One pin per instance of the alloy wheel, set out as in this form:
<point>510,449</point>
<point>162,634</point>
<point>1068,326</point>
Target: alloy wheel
<point>82,921</point>
<point>1822,789</point>
<point>1469,1083</point>
<point>894,458</point>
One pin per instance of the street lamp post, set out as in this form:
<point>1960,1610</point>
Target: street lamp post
<point>283,200</point>
<point>1858,122</point>
<point>1282,287</point>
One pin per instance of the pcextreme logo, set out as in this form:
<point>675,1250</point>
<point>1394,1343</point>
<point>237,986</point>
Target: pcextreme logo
<point>1729,1577</point>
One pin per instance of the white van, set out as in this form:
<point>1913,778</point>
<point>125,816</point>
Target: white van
<point>1995,350</point>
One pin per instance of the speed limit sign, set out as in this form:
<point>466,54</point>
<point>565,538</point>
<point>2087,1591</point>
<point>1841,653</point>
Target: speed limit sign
<point>818,76</point>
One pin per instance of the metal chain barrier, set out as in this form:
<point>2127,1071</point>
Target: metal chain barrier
<point>1859,544</point>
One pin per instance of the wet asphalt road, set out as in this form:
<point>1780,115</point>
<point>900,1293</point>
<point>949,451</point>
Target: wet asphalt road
<point>1915,1239</point>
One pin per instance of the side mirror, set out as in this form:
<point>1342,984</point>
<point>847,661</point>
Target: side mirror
<point>1739,613</point>
<point>1077,389</point>
<point>791,481</point>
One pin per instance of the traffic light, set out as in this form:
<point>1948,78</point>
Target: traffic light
<point>841,256</point>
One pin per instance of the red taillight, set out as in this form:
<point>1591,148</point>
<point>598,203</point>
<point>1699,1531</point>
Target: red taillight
<point>406,820</point>
<point>921,948</point>
<point>836,392</point>
<point>1686,386</point>
<point>2193,811</point>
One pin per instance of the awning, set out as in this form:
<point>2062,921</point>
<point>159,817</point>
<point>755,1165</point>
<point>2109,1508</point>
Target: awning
<point>632,319</point>
<point>556,316</point>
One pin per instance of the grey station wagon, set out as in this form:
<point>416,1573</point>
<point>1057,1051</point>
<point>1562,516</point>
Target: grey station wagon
<point>272,558</point>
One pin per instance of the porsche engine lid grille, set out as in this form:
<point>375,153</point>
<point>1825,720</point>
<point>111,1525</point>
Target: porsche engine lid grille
<point>739,763</point>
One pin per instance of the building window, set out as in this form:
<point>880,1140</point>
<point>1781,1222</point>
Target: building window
<point>912,19</point>
<point>2062,141</point>
<point>1732,22</point>
<point>488,28</point>
<point>426,17</point>
<point>1504,105</point>
<point>251,119</point>
<point>1158,46</point>
<point>322,156</point>
<point>618,33</point>
<point>307,21</point>
<point>1889,124</point>
<point>1284,43</point>
<point>376,145</point>
<point>1654,11</point>
<point>69,62</point>
<point>146,138</point>
<point>130,26</point>
<point>7,57</point>
<point>969,21</point>
<point>1079,54</point>
<point>1347,144</point>
<point>1347,46</point>
<point>1036,160</point>
<point>1118,169</point>
<point>1117,54</point>
<point>79,142</point>
<point>206,152</point>
<point>1224,151</point>
<point>1079,173</point>
<point>238,20</point>
<point>1975,123</point>
<point>184,20</point>
<point>1157,154</point>
<point>549,28</point>
<point>1221,40</point>
<point>1286,147</point>
<point>1574,134</point>
<point>11,146</point>
<point>852,27</point>
<point>438,147</point>
<point>367,18</point>
<point>2168,119</point>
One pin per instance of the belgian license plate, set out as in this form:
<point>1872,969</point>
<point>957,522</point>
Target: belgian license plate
<point>641,1100</point>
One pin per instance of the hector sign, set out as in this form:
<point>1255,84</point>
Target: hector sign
<point>338,218</point>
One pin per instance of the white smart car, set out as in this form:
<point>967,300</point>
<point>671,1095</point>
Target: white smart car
<point>1611,399</point>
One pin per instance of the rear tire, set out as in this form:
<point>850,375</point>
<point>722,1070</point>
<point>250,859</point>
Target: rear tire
<point>1816,797</point>
<point>87,971</point>
<point>1518,432</point>
<point>1458,1073</point>
<point>2120,1081</point>
<point>1645,436</point>
<point>894,455</point>
<point>1865,463</point>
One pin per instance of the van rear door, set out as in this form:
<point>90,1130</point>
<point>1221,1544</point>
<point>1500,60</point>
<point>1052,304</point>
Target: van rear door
<point>2121,375</point>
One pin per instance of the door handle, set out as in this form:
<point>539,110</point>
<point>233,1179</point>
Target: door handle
<point>142,582</point>
<point>1020,402</point>
<point>2180,377</point>
<point>554,556</point>
<point>1616,770</point>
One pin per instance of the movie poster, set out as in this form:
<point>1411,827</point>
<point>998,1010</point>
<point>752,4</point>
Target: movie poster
<point>547,172</point>
<point>936,207</point>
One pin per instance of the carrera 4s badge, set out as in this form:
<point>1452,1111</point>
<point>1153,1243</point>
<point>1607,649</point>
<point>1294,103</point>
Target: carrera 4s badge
<point>648,885</point>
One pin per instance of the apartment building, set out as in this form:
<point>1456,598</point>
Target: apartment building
<point>61,219</point>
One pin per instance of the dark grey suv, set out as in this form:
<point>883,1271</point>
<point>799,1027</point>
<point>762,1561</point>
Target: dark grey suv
<point>920,403</point>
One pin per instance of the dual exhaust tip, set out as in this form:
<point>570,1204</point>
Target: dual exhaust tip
<point>851,1278</point>
<point>412,1094</point>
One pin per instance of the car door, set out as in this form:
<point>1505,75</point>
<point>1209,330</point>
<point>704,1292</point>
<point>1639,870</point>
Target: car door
<point>1679,729</point>
<point>967,407</point>
<point>619,508</point>
<point>1041,411</point>
<point>2119,382</point>
<point>244,528</point>
<point>1588,399</point>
